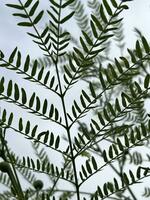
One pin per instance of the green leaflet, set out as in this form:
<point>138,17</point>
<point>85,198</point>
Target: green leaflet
<point>66,18</point>
<point>33,9</point>
<point>38,17</point>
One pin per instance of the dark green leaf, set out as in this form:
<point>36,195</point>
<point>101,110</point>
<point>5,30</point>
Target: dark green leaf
<point>126,140</point>
<point>57,142</point>
<point>102,121</point>
<point>110,152</point>
<point>52,82</point>
<point>25,24</point>
<point>41,134</point>
<point>9,88</point>
<point>46,77</point>
<point>44,107</point>
<point>105,189</point>
<point>94,29</point>
<point>138,50</point>
<point>54,3</point>
<point>24,96</point>
<point>31,101</point>
<point>105,156</point>
<point>84,46</point>
<point>100,192</point>
<point>56,114</point>
<point>77,107</point>
<point>38,17</point>
<point>20,124</point>
<point>3,118</point>
<point>138,173</point>
<point>51,111</point>
<point>2,85</point>
<point>82,101</point>
<point>86,96</point>
<point>19,7</point>
<point>147,81</point>
<point>125,178</point>
<point>67,3</point>
<point>97,22</point>
<point>144,130</point>
<point>88,167</point>
<point>103,16</point>
<point>111,109</point>
<point>74,112</point>
<point>34,68</point>
<point>92,90</point>
<point>10,119</point>
<point>132,176</point>
<point>27,63</point>
<point>102,80</point>
<point>94,163</point>
<point>16,92</point>
<point>18,62</point>
<point>51,142</point>
<point>79,53</point>
<point>46,137</point>
<point>87,38</point>
<point>27,4</point>
<point>145,44</point>
<point>133,58</point>
<point>96,124</point>
<point>120,144</point>
<point>106,115</point>
<point>38,165</point>
<point>38,104</point>
<point>107,7</point>
<point>84,171</point>
<point>11,58</point>
<point>116,184</point>
<point>27,129</point>
<point>20,15</point>
<point>40,74</point>
<point>66,18</point>
<point>33,9</point>
<point>118,65</point>
<point>34,131</point>
<point>114,3</point>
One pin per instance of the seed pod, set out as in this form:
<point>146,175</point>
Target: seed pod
<point>38,184</point>
<point>4,167</point>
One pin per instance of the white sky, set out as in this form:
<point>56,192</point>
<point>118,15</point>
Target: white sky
<point>11,36</point>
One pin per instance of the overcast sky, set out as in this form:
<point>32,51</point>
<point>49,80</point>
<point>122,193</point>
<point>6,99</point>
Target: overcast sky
<point>11,36</point>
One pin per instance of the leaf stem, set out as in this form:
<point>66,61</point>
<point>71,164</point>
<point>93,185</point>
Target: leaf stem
<point>64,108</point>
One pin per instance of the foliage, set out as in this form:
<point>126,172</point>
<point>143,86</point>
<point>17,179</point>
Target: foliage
<point>102,127</point>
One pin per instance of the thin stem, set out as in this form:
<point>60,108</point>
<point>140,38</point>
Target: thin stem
<point>29,76</point>
<point>32,110</point>
<point>116,171</point>
<point>64,108</point>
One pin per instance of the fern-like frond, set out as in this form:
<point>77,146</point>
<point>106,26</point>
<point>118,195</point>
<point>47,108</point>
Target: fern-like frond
<point>45,137</point>
<point>111,188</point>
<point>13,94</point>
<point>27,12</point>
<point>14,62</point>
